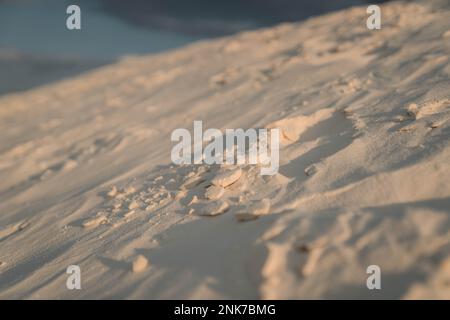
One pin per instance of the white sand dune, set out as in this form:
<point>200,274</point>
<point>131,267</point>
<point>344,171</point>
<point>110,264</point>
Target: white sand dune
<point>86,176</point>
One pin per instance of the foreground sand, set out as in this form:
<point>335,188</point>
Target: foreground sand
<point>86,177</point>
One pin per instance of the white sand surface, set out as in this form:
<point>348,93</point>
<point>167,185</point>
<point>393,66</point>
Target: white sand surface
<point>86,176</point>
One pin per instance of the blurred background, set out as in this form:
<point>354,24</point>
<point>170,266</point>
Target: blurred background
<point>36,48</point>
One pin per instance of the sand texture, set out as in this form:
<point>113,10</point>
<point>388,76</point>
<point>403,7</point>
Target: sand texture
<point>86,177</point>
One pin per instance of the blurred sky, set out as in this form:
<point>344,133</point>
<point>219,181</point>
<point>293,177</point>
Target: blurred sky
<point>111,28</point>
<point>36,47</point>
<point>39,27</point>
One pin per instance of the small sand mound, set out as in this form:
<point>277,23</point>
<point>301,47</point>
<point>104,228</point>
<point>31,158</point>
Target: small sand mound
<point>140,263</point>
<point>292,128</point>
<point>227,177</point>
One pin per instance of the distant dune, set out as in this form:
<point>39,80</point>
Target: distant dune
<point>86,176</point>
<point>25,71</point>
<point>215,18</point>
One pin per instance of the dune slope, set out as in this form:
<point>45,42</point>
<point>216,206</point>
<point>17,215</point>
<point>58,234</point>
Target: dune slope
<point>86,177</point>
